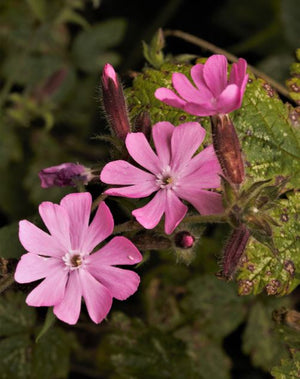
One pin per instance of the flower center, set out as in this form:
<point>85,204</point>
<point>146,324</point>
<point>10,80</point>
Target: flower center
<point>73,260</point>
<point>166,178</point>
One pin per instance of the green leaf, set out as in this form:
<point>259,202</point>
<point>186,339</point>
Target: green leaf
<point>215,305</point>
<point>90,46</point>
<point>15,316</point>
<point>38,7</point>
<point>261,339</point>
<point>49,321</point>
<point>10,246</point>
<point>277,274</point>
<point>269,140</point>
<point>289,368</point>
<point>210,361</point>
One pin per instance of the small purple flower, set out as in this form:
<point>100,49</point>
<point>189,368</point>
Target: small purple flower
<point>173,173</point>
<point>65,174</point>
<point>213,93</point>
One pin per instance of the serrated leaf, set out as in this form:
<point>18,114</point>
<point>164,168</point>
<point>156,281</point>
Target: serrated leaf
<point>261,269</point>
<point>90,46</point>
<point>138,350</point>
<point>260,339</point>
<point>289,368</point>
<point>215,305</point>
<point>210,361</point>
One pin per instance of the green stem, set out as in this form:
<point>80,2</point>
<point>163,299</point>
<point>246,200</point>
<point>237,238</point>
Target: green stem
<point>128,226</point>
<point>198,219</point>
<point>232,58</point>
<point>98,200</point>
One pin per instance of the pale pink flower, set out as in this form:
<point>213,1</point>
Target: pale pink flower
<point>64,259</point>
<point>212,93</point>
<point>173,173</point>
<point>65,174</point>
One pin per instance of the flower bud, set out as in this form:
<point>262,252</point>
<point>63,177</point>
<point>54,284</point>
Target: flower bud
<point>65,174</point>
<point>142,123</point>
<point>52,84</point>
<point>184,240</point>
<point>234,250</point>
<point>227,148</point>
<point>114,102</point>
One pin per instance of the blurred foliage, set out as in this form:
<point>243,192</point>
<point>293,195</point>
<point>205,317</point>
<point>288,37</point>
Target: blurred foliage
<point>184,322</point>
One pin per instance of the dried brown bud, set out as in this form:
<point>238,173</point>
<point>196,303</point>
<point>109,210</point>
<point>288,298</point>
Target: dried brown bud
<point>227,148</point>
<point>234,250</point>
<point>142,123</point>
<point>114,102</point>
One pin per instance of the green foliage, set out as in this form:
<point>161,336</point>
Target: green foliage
<point>274,272</point>
<point>289,368</point>
<point>260,339</point>
<point>21,356</point>
<point>90,48</point>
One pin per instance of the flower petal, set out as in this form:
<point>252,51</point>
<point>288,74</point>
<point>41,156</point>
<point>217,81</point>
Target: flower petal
<point>229,99</point>
<point>135,191</point>
<point>118,251</point>
<point>206,157</point>
<point>68,309</point>
<point>238,72</point>
<point>205,202</point>
<point>175,212</point>
<point>33,267</point>
<point>100,228</point>
<point>140,150</point>
<point>186,89</point>
<point>205,109</point>
<point>120,283</point>
<point>185,141</point>
<point>122,172</point>
<point>78,207</point>
<point>36,241</point>
<point>57,222</point>
<point>162,133</point>
<point>97,298</point>
<point>169,97</point>
<point>150,215</point>
<point>215,73</point>
<point>205,94</point>
<point>51,291</point>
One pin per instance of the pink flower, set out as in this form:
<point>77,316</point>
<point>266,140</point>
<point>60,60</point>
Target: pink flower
<point>213,94</point>
<point>64,259</point>
<point>65,174</point>
<point>172,173</point>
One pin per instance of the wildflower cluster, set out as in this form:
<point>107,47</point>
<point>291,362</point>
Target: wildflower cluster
<point>167,166</point>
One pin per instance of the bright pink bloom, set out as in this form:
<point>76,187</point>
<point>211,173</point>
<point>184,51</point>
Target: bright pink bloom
<point>65,174</point>
<point>172,173</point>
<point>64,259</point>
<point>213,94</point>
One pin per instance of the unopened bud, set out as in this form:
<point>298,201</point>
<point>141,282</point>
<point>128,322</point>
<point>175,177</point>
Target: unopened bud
<point>51,85</point>
<point>227,148</point>
<point>234,251</point>
<point>114,102</point>
<point>142,123</point>
<point>65,174</point>
<point>184,240</point>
